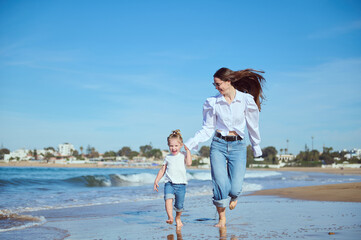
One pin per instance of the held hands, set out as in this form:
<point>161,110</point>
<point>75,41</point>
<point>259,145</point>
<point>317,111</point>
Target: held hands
<point>156,186</point>
<point>186,148</point>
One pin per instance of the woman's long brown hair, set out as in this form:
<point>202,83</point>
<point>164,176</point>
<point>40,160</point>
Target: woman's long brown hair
<point>248,80</point>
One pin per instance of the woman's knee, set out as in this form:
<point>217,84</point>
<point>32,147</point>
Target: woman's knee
<point>236,189</point>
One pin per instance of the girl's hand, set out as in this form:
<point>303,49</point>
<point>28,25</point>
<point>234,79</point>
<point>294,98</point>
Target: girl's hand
<point>156,186</point>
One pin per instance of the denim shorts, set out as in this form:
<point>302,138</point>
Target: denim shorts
<point>177,192</point>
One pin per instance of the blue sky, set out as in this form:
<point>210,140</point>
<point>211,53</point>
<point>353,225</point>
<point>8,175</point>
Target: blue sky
<point>125,73</point>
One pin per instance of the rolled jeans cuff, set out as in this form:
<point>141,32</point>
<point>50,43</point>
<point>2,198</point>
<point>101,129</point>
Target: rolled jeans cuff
<point>233,199</point>
<point>178,210</point>
<point>169,196</point>
<point>221,203</point>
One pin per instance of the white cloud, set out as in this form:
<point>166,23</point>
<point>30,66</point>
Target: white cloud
<point>337,30</point>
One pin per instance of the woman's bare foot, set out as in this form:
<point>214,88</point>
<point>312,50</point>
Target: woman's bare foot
<point>221,223</point>
<point>170,221</point>
<point>222,217</point>
<point>232,204</point>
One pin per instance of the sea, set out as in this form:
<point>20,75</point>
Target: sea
<point>24,190</point>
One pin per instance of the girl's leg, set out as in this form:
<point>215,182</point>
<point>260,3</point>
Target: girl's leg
<point>178,219</point>
<point>180,192</point>
<point>168,197</point>
<point>169,210</point>
<point>236,170</point>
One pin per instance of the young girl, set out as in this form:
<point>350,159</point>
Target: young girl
<point>175,176</point>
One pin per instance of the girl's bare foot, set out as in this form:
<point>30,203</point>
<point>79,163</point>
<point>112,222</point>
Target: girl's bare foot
<point>223,233</point>
<point>232,204</point>
<point>170,221</point>
<point>178,222</point>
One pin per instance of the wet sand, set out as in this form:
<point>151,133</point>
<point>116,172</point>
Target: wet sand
<point>344,192</point>
<point>255,217</point>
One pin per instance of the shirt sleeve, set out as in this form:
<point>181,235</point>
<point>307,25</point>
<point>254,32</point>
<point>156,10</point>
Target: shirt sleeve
<point>165,161</point>
<point>208,126</point>
<point>252,121</point>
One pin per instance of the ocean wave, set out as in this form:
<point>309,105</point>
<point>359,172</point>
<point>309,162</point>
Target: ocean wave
<point>132,179</point>
<point>203,176</point>
<point>261,174</point>
<point>91,180</point>
<point>251,187</point>
<point>26,182</point>
<point>109,180</point>
<point>112,180</point>
<point>10,221</point>
<point>249,174</point>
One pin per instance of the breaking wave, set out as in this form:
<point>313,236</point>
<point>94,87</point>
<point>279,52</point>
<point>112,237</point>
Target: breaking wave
<point>10,221</point>
<point>105,180</point>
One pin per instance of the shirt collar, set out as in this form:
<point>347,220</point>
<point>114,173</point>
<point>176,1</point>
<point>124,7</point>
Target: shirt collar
<point>238,97</point>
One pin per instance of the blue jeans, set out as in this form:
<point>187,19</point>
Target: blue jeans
<point>177,192</point>
<point>228,167</point>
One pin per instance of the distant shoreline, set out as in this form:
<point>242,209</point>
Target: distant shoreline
<point>356,171</point>
<point>73,165</point>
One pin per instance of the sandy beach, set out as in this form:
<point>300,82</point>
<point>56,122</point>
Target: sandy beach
<point>344,192</point>
<point>356,171</point>
<point>311,212</point>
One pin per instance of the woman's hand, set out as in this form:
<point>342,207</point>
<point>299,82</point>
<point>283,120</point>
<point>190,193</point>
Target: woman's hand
<point>186,148</point>
<point>188,159</point>
<point>156,186</point>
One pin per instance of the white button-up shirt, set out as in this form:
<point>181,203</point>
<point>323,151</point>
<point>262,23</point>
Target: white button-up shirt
<point>218,114</point>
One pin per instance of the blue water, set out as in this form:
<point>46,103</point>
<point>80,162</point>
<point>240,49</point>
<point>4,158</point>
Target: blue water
<point>31,189</point>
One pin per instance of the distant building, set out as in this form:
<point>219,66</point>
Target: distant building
<point>164,153</point>
<point>206,162</point>
<point>139,159</point>
<point>66,149</point>
<point>258,159</point>
<point>20,154</point>
<point>353,153</point>
<point>286,157</point>
<point>41,153</point>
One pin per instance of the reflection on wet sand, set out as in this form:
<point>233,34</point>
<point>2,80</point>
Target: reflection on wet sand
<point>223,234</point>
<point>178,234</point>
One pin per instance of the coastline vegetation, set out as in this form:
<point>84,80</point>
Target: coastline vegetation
<point>306,158</point>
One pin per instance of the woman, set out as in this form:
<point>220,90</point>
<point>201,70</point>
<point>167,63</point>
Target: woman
<point>226,115</point>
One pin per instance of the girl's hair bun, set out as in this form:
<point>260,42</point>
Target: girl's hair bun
<point>175,134</point>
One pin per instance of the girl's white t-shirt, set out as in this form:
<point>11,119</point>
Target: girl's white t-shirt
<point>176,170</point>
